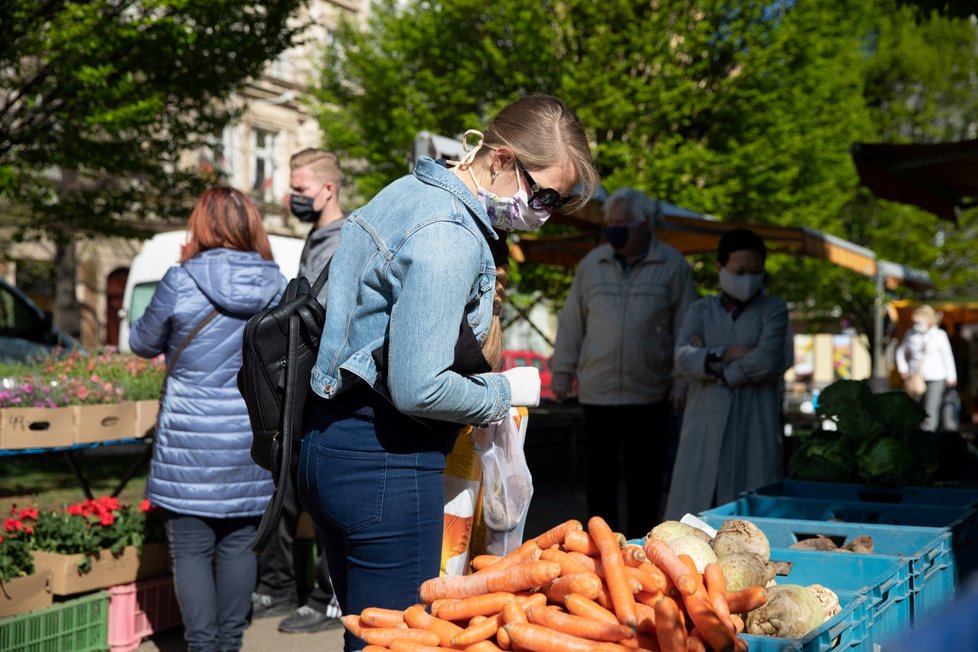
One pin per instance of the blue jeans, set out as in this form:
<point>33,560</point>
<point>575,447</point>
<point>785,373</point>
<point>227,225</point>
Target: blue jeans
<point>372,481</point>
<point>214,573</point>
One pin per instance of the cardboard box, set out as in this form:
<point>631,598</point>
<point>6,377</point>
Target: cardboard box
<point>106,570</point>
<point>31,427</point>
<point>23,594</point>
<point>106,422</point>
<point>146,412</point>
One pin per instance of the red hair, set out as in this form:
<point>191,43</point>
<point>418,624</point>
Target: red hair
<point>225,217</point>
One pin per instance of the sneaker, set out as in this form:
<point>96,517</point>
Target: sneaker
<point>307,619</point>
<point>265,606</point>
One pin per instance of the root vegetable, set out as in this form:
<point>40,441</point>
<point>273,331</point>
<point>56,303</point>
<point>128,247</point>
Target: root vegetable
<point>828,598</point>
<point>791,611</point>
<point>745,569</point>
<point>698,549</point>
<point>669,530</point>
<point>739,535</point>
<point>863,545</point>
<point>815,543</point>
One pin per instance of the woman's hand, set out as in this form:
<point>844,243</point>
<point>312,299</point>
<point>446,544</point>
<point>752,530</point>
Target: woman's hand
<point>524,386</point>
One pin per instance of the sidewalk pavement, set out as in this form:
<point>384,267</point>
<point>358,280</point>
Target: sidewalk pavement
<point>548,507</point>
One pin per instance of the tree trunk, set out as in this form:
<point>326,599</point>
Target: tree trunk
<point>67,315</point>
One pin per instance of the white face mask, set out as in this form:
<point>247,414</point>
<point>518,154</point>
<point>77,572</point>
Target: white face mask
<point>506,213</point>
<point>920,326</point>
<point>740,287</point>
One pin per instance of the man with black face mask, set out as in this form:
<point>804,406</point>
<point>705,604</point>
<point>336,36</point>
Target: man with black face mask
<point>315,199</point>
<point>315,183</point>
<point>616,332</point>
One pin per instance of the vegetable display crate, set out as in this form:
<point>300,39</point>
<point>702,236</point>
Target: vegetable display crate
<point>962,522</point>
<point>938,496</point>
<point>884,583</point>
<point>926,552</point>
<point>845,631</point>
<point>141,609</point>
<point>79,625</point>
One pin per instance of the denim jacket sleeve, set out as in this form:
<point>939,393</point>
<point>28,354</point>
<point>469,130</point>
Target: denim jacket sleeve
<point>433,273</point>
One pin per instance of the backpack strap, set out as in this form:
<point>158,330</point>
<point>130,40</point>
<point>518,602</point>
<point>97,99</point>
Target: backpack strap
<point>321,279</point>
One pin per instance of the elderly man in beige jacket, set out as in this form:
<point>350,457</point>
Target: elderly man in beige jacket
<point>616,333</point>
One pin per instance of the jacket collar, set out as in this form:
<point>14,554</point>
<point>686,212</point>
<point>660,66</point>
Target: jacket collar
<point>435,174</point>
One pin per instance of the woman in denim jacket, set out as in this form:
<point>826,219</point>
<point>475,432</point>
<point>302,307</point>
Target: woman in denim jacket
<point>202,473</point>
<point>410,340</point>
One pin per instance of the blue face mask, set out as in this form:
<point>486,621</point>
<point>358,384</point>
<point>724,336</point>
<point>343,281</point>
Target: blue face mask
<point>617,236</point>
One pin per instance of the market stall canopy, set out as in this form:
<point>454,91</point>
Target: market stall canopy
<point>941,178</point>
<point>698,233</point>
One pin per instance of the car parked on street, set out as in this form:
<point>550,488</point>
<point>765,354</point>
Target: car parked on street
<point>26,331</point>
<point>526,358</point>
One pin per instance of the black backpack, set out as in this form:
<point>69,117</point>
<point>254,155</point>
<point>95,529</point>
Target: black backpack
<point>279,350</point>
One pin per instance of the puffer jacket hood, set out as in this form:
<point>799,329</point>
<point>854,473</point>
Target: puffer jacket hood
<point>237,282</point>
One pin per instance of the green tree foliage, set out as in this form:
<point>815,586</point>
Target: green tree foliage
<point>745,110</point>
<point>101,98</point>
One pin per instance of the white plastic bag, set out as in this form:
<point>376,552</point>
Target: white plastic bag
<point>507,485</point>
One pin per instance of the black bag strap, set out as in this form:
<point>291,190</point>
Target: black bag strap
<point>291,423</point>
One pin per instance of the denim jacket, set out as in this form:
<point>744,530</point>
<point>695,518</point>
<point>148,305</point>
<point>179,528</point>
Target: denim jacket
<point>411,265</point>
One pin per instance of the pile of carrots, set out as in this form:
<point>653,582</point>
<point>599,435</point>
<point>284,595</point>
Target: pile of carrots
<point>568,590</point>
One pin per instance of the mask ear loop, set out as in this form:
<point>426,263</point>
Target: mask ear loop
<point>469,153</point>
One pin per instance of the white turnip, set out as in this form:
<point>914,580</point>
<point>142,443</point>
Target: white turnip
<point>744,569</point>
<point>669,530</point>
<point>698,549</point>
<point>738,535</point>
<point>791,611</point>
<point>828,598</point>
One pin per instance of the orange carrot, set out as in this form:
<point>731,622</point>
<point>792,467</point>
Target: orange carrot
<point>537,638</point>
<point>648,598</point>
<point>740,602</point>
<point>482,646</point>
<point>386,635</point>
<point>417,617</point>
<point>486,604</point>
<point>711,627</point>
<point>632,554</point>
<point>556,534</point>
<point>716,589</point>
<point>646,617</point>
<point>579,605</point>
<point>617,580</point>
<point>694,644</point>
<point>568,563</point>
<point>660,554</point>
<point>640,643</point>
<point>526,551</point>
<point>595,564</point>
<point>405,645</point>
<point>478,631</point>
<point>531,600</point>
<point>526,575</point>
<point>380,617</point>
<point>586,583</point>
<point>669,630</point>
<point>738,623</point>
<point>595,630</point>
<point>353,624</point>
<point>375,648</point>
<point>580,541</point>
<point>649,576</point>
<point>480,562</point>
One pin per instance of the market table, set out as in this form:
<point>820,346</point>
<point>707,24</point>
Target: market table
<point>144,453</point>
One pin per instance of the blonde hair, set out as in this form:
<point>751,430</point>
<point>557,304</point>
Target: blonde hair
<point>927,313</point>
<point>543,131</point>
<point>325,166</point>
<point>492,348</point>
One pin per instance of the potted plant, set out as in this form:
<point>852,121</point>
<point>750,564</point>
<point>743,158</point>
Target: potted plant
<point>21,588</point>
<point>97,543</point>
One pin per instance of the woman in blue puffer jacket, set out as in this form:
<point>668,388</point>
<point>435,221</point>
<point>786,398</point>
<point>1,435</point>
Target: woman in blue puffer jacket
<point>202,473</point>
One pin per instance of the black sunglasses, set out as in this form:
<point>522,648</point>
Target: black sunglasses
<point>541,198</point>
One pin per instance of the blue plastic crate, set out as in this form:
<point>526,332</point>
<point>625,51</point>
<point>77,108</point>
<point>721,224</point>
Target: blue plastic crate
<point>883,581</point>
<point>847,630</point>
<point>925,551</point>
<point>962,522</point>
<point>938,496</point>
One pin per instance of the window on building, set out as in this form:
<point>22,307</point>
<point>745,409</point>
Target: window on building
<point>263,163</point>
<point>214,161</point>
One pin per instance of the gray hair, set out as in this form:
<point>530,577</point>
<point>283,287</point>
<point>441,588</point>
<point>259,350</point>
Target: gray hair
<point>635,202</point>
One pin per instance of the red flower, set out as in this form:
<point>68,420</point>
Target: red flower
<point>29,512</point>
<point>107,518</point>
<point>145,505</point>
<point>13,525</point>
<point>109,502</point>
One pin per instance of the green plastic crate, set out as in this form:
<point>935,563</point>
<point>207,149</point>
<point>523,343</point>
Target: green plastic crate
<point>78,625</point>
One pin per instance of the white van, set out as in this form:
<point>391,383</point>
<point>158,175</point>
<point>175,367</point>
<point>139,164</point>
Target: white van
<point>161,252</point>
